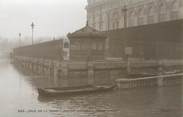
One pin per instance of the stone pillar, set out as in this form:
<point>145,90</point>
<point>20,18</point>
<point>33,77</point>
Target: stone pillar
<point>41,67</point>
<point>34,68</point>
<point>55,78</point>
<point>91,79</point>
<point>106,51</point>
<point>63,81</point>
<point>31,67</point>
<point>65,74</point>
<point>49,70</point>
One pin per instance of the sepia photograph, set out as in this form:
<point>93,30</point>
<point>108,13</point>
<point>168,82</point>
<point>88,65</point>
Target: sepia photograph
<point>91,58</point>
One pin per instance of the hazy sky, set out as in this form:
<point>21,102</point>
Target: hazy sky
<point>51,17</point>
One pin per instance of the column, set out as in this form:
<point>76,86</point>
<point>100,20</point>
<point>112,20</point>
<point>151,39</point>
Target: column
<point>55,78</point>
<point>65,75</point>
<point>91,80</point>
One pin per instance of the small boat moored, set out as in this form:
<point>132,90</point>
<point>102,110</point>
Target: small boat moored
<point>74,90</point>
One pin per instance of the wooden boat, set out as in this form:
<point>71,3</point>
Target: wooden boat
<point>74,90</point>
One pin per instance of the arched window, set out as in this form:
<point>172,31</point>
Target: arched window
<point>150,10</point>
<point>132,18</point>
<point>115,20</point>
<point>140,16</point>
<point>162,8</point>
<point>94,20</point>
<point>174,10</point>
<point>162,11</point>
<point>101,22</point>
<point>175,5</point>
<point>150,14</point>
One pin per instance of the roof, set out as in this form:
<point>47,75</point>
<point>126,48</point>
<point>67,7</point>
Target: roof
<point>87,32</point>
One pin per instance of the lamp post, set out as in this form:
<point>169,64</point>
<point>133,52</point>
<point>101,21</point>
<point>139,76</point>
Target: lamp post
<point>19,38</point>
<point>125,13</point>
<point>32,27</point>
<point>128,50</point>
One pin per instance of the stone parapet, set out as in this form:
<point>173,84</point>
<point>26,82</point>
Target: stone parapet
<point>68,73</point>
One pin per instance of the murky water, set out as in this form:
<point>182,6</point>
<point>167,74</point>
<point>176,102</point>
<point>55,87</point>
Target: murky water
<point>19,98</point>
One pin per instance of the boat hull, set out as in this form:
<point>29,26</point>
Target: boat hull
<point>73,91</point>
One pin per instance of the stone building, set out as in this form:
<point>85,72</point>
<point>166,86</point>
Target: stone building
<point>87,44</point>
<point>105,15</point>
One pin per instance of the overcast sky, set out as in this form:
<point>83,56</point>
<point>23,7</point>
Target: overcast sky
<point>51,17</point>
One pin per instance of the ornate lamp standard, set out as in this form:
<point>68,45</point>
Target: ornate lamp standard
<point>32,27</point>
<point>128,50</point>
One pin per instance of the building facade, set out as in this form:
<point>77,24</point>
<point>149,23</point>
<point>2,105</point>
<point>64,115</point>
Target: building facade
<point>87,44</point>
<point>105,15</point>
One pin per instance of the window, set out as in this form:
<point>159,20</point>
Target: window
<point>132,18</point>
<point>115,20</point>
<point>175,5</point>
<point>150,13</point>
<point>162,14</point>
<point>101,22</point>
<point>140,17</point>
<point>174,11</point>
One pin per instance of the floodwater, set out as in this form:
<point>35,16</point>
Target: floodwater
<point>19,98</point>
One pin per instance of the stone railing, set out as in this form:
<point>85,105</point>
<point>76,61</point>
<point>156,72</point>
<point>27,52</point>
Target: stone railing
<point>161,80</point>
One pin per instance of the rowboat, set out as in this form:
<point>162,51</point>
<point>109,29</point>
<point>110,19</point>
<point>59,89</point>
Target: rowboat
<point>74,90</point>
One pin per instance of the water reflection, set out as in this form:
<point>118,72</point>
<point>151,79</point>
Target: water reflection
<point>19,92</point>
<point>132,103</point>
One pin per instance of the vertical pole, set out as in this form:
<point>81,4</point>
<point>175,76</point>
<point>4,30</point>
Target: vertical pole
<point>125,16</point>
<point>20,39</point>
<point>32,36</point>
<point>125,13</point>
<point>108,21</point>
<point>128,65</point>
<point>125,41</point>
<point>32,26</point>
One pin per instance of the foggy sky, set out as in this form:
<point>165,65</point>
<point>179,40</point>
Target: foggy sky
<point>51,17</point>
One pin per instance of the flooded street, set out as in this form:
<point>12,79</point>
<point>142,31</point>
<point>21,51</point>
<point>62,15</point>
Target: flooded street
<point>19,98</point>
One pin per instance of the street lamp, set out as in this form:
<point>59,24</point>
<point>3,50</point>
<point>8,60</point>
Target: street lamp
<point>128,50</point>
<point>125,13</point>
<point>19,38</point>
<point>32,27</point>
